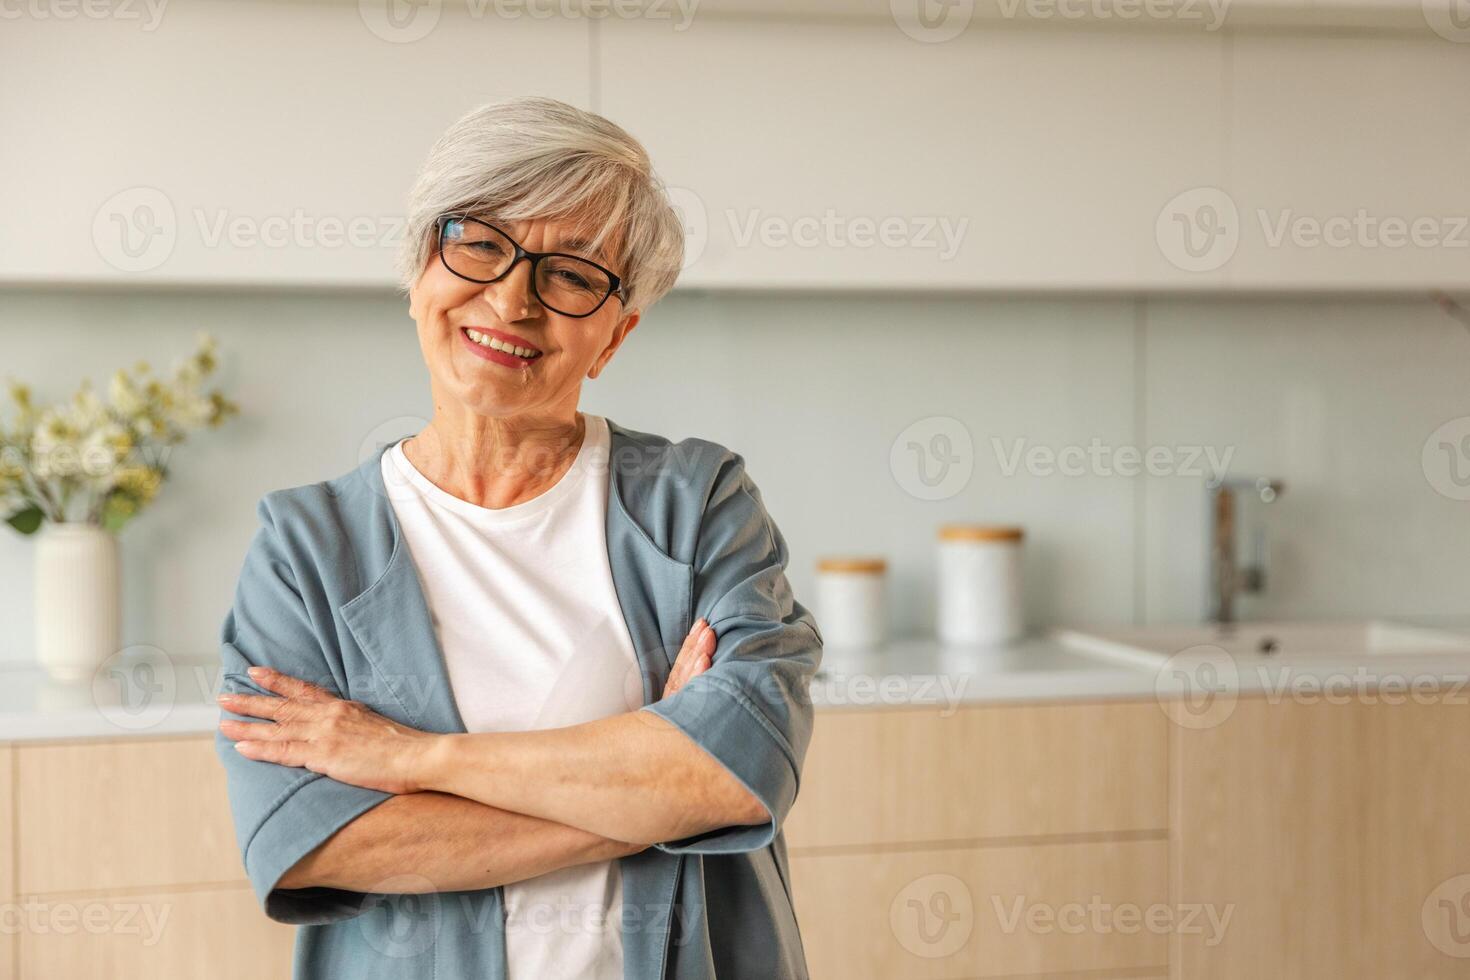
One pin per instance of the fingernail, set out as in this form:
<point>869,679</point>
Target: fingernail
<point>225,698</point>
<point>699,625</point>
<point>258,671</point>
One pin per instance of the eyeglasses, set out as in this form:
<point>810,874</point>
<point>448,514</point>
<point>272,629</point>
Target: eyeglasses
<point>568,284</point>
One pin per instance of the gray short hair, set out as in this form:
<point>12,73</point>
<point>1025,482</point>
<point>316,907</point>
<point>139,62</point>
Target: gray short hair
<point>542,158</point>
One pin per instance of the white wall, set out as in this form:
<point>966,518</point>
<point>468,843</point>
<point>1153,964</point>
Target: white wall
<point>1335,397</point>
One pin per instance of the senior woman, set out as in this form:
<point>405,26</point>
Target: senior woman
<point>524,694</point>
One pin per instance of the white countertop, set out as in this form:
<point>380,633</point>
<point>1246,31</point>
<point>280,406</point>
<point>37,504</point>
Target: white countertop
<point>923,672</point>
<point>140,698</point>
<point>175,695</point>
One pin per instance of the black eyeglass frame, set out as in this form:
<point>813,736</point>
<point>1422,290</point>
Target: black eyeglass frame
<point>615,281</point>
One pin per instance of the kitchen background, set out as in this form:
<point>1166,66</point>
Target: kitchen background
<point>949,261</point>
<point>1044,164</point>
<point>1335,396</point>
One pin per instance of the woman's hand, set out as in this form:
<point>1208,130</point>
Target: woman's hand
<point>311,728</point>
<point>694,656</point>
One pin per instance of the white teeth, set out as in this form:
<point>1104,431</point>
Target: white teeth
<point>485,340</point>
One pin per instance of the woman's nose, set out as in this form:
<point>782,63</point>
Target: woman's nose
<point>512,296</point>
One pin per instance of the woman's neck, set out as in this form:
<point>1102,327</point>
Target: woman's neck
<point>497,462</point>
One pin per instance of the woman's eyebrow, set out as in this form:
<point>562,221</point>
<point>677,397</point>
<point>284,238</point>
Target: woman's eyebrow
<point>581,245</point>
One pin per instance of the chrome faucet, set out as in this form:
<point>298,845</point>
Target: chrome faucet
<point>1228,578</point>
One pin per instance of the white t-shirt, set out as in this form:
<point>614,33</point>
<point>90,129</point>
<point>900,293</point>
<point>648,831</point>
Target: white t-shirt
<point>524,608</point>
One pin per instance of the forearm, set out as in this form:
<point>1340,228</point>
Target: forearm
<point>632,777</point>
<point>454,844</point>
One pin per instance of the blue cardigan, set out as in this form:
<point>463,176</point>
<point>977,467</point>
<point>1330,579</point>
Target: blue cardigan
<point>328,592</point>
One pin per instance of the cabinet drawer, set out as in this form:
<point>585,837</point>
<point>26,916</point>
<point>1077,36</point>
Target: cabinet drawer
<point>985,911</point>
<point>138,814</point>
<point>901,775</point>
<point>182,935</point>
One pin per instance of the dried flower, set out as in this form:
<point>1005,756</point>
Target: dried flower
<point>106,456</point>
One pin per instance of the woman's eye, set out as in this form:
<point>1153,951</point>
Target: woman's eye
<point>570,278</point>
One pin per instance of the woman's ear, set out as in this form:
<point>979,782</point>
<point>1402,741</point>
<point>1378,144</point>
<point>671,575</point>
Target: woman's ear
<point>620,333</point>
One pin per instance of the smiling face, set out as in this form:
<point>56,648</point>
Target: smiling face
<point>463,325</point>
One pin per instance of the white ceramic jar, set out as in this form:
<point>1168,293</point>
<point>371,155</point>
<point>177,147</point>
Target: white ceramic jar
<point>979,597</point>
<point>852,604</point>
<point>78,599</point>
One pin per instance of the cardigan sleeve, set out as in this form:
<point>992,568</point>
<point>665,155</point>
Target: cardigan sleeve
<point>751,709</point>
<point>281,812</point>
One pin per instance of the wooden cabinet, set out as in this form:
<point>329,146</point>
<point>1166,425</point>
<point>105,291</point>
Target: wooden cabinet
<point>1416,840</point>
<point>1334,836</point>
<point>1301,838</point>
<point>171,935</point>
<point>9,949</point>
<point>105,815</point>
<point>984,911</point>
<point>1294,839</point>
<point>1268,827</point>
<point>1003,772</point>
<point>968,844</point>
<point>124,862</point>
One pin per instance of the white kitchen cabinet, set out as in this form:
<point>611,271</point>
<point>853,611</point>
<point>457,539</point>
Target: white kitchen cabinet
<point>1047,154</point>
<point>821,147</point>
<point>1343,150</point>
<point>236,142</point>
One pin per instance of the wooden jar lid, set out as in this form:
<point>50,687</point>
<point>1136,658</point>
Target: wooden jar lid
<point>979,532</point>
<point>869,565</point>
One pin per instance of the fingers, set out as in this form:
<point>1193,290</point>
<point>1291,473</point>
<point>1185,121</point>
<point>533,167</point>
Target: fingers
<point>253,705</point>
<point>694,656</point>
<point>281,753</point>
<point>679,673</point>
<point>250,731</point>
<point>287,686</point>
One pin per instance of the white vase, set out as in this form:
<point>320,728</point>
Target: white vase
<point>78,599</point>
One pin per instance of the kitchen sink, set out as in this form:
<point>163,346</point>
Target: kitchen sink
<point>1305,643</point>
